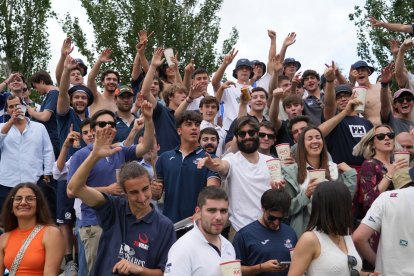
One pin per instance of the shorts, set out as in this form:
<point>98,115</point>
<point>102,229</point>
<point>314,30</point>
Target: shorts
<point>65,214</point>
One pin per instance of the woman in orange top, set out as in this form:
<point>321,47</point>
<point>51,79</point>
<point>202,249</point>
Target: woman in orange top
<point>24,208</point>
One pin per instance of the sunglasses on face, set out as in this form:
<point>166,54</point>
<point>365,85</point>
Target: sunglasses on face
<point>103,124</point>
<point>251,133</point>
<point>404,98</point>
<point>352,262</point>
<point>381,136</point>
<point>269,136</point>
<point>273,218</point>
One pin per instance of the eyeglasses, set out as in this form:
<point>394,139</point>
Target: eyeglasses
<point>28,199</point>
<point>406,98</point>
<point>103,124</point>
<point>352,262</point>
<point>381,136</point>
<point>251,133</point>
<point>269,136</point>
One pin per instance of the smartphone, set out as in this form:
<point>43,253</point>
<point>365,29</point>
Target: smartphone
<point>285,263</point>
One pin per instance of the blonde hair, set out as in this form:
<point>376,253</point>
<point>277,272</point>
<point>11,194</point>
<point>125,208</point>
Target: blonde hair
<point>365,147</point>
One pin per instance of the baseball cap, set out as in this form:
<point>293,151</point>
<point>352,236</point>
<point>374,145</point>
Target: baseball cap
<point>343,88</point>
<point>122,90</point>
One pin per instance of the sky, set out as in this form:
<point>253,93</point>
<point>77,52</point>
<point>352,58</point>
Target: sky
<point>323,30</point>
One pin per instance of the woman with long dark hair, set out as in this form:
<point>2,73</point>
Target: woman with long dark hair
<point>31,244</point>
<point>326,248</point>
<point>311,155</point>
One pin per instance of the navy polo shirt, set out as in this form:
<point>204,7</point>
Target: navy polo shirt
<point>50,103</point>
<point>255,244</point>
<point>122,129</point>
<point>144,241</point>
<point>102,174</point>
<point>63,122</point>
<point>313,108</point>
<point>183,181</point>
<point>3,99</point>
<point>165,130</point>
<point>283,134</point>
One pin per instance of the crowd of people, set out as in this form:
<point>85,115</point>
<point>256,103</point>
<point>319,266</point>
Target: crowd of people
<point>100,182</point>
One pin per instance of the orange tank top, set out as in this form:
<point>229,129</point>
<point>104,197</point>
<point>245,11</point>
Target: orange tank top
<point>33,259</point>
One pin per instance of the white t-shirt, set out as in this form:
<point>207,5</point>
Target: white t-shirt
<point>222,135</point>
<point>247,182</point>
<point>231,99</point>
<point>391,214</point>
<point>193,255</point>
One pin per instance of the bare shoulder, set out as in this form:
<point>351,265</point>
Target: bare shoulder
<point>52,234</point>
<point>310,243</point>
<point>3,239</point>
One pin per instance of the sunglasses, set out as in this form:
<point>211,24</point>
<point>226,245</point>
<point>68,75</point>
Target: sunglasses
<point>273,218</point>
<point>406,98</point>
<point>381,136</point>
<point>251,133</point>
<point>103,124</point>
<point>352,262</point>
<point>269,136</point>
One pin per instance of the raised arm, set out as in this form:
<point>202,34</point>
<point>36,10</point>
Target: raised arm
<point>224,86</point>
<point>330,97</point>
<point>289,40</point>
<point>401,73</point>
<point>72,136</point>
<point>6,82</point>
<point>228,59</point>
<point>77,184</point>
<point>66,49</point>
<point>274,107</point>
<point>188,71</point>
<point>178,78</point>
<point>140,61</point>
<point>272,50</point>
<point>156,61</point>
<point>396,27</point>
<point>149,138</point>
<point>138,125</point>
<point>277,66</point>
<point>195,92</point>
<point>63,103</point>
<point>105,56</point>
<point>386,77</point>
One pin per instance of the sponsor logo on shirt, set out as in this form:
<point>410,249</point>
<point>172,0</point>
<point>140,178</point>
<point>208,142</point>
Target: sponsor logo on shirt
<point>264,242</point>
<point>288,244</point>
<point>168,268</point>
<point>357,131</point>
<point>403,243</point>
<point>127,252</point>
<point>195,161</point>
<point>142,241</point>
<point>371,219</point>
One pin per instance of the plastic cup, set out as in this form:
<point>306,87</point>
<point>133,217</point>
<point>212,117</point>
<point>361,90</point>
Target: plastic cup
<point>117,175</point>
<point>24,109</point>
<point>318,174</point>
<point>169,53</point>
<point>360,93</point>
<point>283,150</point>
<point>402,155</point>
<point>275,169</point>
<point>231,268</point>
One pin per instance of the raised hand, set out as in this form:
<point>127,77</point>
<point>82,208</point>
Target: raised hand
<point>271,34</point>
<point>72,136</point>
<point>375,23</point>
<point>190,68</point>
<point>290,39</point>
<point>394,46</point>
<point>106,55</point>
<point>67,47</point>
<point>276,64</point>
<point>330,72</point>
<point>103,140</point>
<point>70,63</point>
<point>157,57</point>
<point>387,72</point>
<point>227,84</point>
<point>197,90</point>
<point>146,110</point>
<point>407,44</point>
<point>228,59</point>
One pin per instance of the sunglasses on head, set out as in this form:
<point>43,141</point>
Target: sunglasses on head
<point>406,98</point>
<point>103,124</point>
<point>251,133</point>
<point>352,262</point>
<point>381,136</point>
<point>269,136</point>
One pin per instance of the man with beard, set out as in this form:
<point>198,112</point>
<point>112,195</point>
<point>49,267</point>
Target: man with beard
<point>209,140</point>
<point>262,245</point>
<point>177,170</point>
<point>124,97</point>
<point>201,251</point>
<point>246,172</point>
<point>109,79</point>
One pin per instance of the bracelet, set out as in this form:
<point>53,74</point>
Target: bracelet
<point>189,101</point>
<point>191,98</point>
<point>388,177</point>
<point>384,84</point>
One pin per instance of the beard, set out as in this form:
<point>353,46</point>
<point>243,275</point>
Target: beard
<point>248,149</point>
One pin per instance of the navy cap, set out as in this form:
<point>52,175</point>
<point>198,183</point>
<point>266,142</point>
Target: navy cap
<point>292,60</point>
<point>82,65</point>
<point>84,89</point>
<point>362,64</point>
<point>258,62</point>
<point>343,88</point>
<point>243,62</point>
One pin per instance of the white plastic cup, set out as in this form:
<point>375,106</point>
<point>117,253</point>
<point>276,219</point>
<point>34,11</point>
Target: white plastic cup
<point>402,155</point>
<point>360,93</point>
<point>275,169</point>
<point>318,174</point>
<point>283,150</point>
<point>169,53</point>
<point>117,175</point>
<point>24,109</point>
<point>231,268</point>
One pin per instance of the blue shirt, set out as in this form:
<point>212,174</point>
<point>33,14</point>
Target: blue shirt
<point>255,244</point>
<point>144,241</point>
<point>50,103</point>
<point>63,122</point>
<point>102,174</point>
<point>122,129</point>
<point>165,130</point>
<point>25,156</point>
<point>3,99</point>
<point>183,181</point>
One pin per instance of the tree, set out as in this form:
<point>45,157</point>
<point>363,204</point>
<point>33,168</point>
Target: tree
<point>24,41</point>
<point>373,45</point>
<point>190,27</point>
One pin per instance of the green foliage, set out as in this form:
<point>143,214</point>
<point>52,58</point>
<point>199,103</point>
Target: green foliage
<point>190,27</point>
<point>373,45</point>
<point>24,41</point>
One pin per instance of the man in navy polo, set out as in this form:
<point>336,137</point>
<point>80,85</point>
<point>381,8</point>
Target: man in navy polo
<point>136,238</point>
<point>125,119</point>
<point>177,170</point>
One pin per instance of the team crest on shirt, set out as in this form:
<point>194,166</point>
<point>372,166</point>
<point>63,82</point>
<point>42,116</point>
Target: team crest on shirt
<point>128,253</point>
<point>142,241</point>
<point>403,243</point>
<point>357,131</point>
<point>168,268</point>
<point>288,244</point>
<point>195,161</point>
